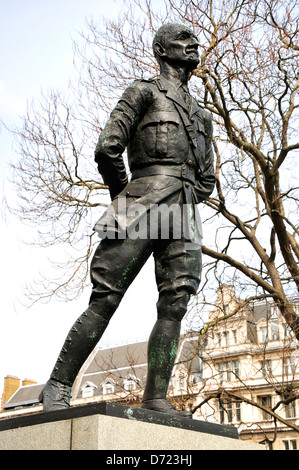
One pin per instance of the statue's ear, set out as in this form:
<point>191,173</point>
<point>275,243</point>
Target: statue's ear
<point>159,50</point>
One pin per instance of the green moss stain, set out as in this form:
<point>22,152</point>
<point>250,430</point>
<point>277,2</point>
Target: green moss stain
<point>129,413</point>
<point>126,272</point>
<point>161,359</point>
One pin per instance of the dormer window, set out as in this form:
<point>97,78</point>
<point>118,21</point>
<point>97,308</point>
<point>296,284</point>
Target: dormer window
<point>108,387</point>
<point>87,389</point>
<point>274,311</point>
<point>130,383</point>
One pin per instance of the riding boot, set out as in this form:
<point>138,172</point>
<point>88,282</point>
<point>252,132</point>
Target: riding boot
<point>162,350</point>
<point>80,342</point>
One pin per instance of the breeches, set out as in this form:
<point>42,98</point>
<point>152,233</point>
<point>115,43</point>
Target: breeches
<point>117,262</point>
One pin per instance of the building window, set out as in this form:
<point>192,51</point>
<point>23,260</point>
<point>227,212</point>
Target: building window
<point>229,411</point>
<point>290,444</point>
<point>182,381</point>
<point>274,311</point>
<point>264,334</point>
<point>130,383</point>
<point>87,390</point>
<point>220,371</point>
<point>266,367</point>
<point>226,339</point>
<point>108,389</point>
<point>195,378</point>
<point>269,333</point>
<point>235,338</point>
<point>287,332</point>
<point>222,411</point>
<point>289,366</point>
<point>236,369</point>
<point>274,332</point>
<point>229,370</point>
<point>238,410</point>
<point>290,410</point>
<point>266,402</point>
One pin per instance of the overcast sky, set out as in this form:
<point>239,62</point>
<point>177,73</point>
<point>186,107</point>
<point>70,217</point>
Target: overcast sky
<point>36,53</point>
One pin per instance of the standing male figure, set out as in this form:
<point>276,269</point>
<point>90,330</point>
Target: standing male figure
<point>168,140</point>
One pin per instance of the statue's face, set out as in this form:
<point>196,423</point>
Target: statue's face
<point>181,46</point>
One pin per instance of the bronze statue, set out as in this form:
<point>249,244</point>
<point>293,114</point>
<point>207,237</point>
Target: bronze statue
<point>168,140</point>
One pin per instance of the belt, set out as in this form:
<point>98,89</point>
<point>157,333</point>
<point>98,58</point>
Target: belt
<point>184,172</point>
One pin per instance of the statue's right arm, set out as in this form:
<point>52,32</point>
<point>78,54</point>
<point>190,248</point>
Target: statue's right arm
<point>117,133</point>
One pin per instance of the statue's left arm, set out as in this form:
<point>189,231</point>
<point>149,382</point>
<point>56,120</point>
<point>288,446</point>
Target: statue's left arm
<point>205,180</point>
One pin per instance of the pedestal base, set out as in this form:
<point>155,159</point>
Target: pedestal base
<point>109,426</point>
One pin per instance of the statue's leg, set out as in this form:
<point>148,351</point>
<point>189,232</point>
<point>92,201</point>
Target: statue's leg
<point>178,276</point>
<point>79,343</point>
<point>114,266</point>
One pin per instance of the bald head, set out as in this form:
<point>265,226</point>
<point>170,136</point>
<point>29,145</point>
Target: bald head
<point>164,30</point>
<point>175,35</point>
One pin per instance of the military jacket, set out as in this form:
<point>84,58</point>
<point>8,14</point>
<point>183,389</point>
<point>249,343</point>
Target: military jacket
<point>157,127</point>
<point>147,122</point>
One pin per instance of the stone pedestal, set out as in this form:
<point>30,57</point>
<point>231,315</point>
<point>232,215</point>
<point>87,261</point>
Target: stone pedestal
<point>109,426</point>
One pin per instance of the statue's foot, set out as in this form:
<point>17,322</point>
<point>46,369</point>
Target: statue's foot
<point>159,404</point>
<point>55,396</point>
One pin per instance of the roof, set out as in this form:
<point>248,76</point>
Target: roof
<point>118,357</point>
<point>24,396</point>
<point>191,355</point>
<point>130,361</point>
<point>116,364</point>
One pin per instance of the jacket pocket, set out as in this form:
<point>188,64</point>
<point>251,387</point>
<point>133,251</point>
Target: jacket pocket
<point>158,129</point>
<point>160,117</point>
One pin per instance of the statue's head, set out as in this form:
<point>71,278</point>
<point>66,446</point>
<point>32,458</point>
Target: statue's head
<point>175,43</point>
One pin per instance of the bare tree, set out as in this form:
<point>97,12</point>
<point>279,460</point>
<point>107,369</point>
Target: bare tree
<point>247,78</point>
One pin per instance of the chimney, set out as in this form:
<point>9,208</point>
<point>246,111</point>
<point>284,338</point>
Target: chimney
<point>28,382</point>
<point>11,385</point>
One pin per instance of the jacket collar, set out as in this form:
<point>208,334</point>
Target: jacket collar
<point>173,93</point>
